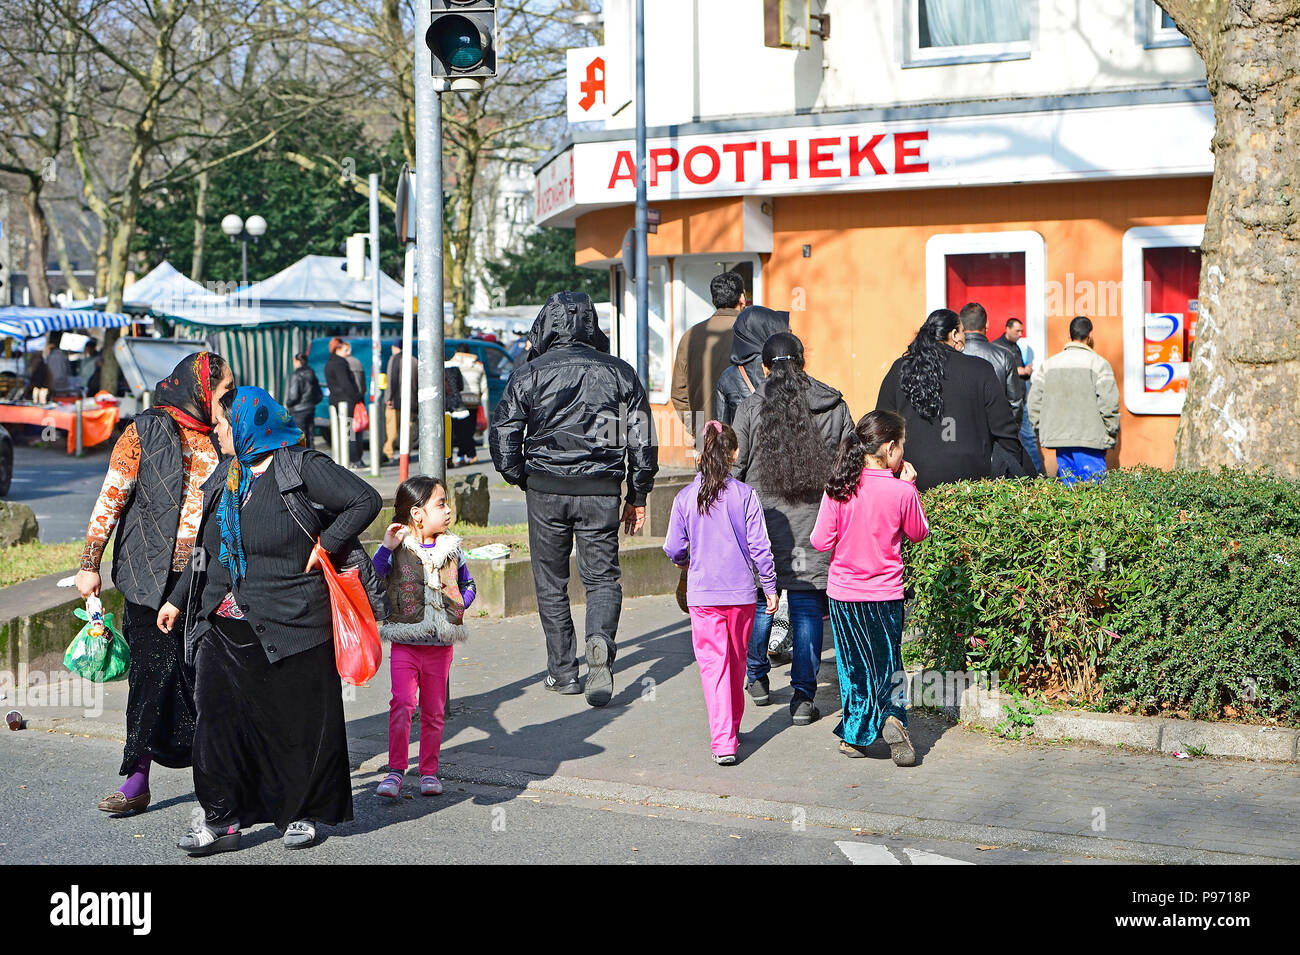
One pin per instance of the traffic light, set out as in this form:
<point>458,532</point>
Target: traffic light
<point>788,24</point>
<point>462,38</point>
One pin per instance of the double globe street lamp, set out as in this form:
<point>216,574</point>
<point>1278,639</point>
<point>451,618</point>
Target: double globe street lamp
<point>243,230</point>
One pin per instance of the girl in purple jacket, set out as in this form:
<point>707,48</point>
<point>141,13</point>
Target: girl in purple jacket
<point>717,525</point>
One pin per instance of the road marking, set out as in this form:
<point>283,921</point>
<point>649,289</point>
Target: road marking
<point>868,853</point>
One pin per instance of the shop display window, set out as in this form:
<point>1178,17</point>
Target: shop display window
<point>1162,269</point>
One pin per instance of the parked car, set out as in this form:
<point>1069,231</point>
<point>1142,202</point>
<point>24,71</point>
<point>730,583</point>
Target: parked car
<point>6,461</point>
<point>496,361</point>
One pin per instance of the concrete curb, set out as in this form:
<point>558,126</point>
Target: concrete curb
<point>832,818</point>
<point>987,708</point>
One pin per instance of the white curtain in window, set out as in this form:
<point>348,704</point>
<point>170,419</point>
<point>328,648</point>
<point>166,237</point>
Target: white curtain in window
<point>966,22</point>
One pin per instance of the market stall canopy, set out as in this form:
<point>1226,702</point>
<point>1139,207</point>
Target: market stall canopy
<point>322,280</point>
<point>163,287</point>
<point>21,321</point>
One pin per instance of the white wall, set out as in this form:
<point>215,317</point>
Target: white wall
<point>1080,46</point>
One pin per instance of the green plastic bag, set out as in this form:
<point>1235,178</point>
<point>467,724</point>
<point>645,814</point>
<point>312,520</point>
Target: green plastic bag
<point>99,659</point>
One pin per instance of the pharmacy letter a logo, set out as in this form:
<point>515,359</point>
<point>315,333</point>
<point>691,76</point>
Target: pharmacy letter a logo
<point>593,84</point>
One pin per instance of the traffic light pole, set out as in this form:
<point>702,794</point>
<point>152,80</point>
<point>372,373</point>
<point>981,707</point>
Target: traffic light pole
<point>428,231</point>
<point>642,254</point>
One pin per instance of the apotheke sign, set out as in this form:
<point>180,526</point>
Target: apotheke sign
<point>1164,139</point>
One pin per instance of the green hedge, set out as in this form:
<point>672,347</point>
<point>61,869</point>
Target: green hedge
<point>1149,592</point>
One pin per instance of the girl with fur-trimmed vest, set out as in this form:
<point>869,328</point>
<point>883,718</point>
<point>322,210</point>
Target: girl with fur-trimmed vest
<point>430,589</point>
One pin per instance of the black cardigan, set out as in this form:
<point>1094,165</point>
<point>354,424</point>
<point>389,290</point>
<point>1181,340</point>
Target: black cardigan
<point>288,610</point>
<point>957,444</point>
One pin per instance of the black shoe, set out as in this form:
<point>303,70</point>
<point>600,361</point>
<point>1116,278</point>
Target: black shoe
<point>600,677</point>
<point>572,688</point>
<point>203,840</point>
<point>803,711</point>
<point>758,691</point>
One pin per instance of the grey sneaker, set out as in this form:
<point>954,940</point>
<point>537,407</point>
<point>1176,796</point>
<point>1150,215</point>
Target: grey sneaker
<point>900,744</point>
<point>803,711</point>
<point>759,691</point>
<point>728,760</point>
<point>600,676</point>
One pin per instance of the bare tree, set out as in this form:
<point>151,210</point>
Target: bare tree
<point>1244,393</point>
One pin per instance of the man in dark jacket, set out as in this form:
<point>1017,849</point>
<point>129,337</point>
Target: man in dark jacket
<point>754,326</point>
<point>975,321</point>
<point>302,397</point>
<point>703,353</point>
<point>344,394</point>
<point>573,423</point>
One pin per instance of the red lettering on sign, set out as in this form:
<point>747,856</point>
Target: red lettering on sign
<point>658,165</point>
<point>623,160</point>
<point>866,151</point>
<point>904,152</point>
<point>819,153</point>
<point>790,160</point>
<point>591,85</point>
<point>740,149</point>
<point>715,165</point>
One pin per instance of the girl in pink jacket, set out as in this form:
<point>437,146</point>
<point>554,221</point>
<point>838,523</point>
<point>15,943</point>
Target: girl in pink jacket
<point>870,505</point>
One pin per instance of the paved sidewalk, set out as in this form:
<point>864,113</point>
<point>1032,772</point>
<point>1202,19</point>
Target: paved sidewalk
<point>651,745</point>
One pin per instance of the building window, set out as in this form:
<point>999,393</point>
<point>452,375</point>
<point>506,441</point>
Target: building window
<point>1003,271</point>
<point>1156,28</point>
<point>1161,301</point>
<point>940,32</point>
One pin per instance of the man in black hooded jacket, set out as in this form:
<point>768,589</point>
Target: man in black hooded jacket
<point>571,426</point>
<point>754,326</point>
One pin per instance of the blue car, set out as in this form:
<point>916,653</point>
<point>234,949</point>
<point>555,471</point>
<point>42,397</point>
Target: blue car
<point>496,361</point>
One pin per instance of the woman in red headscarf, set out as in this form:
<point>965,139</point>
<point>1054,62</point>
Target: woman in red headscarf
<point>152,497</point>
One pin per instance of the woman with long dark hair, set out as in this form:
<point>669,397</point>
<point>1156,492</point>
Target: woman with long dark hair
<point>955,408</point>
<point>871,504</point>
<point>787,433</point>
<point>717,529</point>
<point>269,740</point>
<point>152,497</point>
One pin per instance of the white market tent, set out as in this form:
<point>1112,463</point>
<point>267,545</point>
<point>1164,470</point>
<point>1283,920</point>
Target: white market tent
<point>163,287</point>
<point>322,280</point>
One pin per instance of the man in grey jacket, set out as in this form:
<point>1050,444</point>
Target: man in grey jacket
<point>1074,406</point>
<point>975,321</point>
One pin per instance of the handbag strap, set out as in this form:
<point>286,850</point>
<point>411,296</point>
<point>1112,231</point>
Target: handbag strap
<point>745,375</point>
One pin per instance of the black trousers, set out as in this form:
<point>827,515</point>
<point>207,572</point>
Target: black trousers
<point>306,422</point>
<point>160,693</point>
<point>554,522</point>
<point>462,435</point>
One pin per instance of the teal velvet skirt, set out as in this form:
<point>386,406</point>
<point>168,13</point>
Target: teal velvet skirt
<point>868,655</point>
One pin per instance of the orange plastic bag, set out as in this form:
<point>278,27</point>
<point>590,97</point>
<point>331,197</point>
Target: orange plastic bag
<point>360,418</point>
<point>357,650</point>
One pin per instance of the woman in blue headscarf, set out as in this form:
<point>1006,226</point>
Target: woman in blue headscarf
<point>269,739</point>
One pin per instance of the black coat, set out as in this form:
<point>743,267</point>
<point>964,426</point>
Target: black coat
<point>289,610</point>
<point>754,326</point>
<point>574,420</point>
<point>338,379</point>
<point>978,346</point>
<point>957,444</point>
<point>304,391</point>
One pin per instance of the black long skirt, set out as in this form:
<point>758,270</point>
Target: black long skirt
<point>160,693</point>
<point>270,743</point>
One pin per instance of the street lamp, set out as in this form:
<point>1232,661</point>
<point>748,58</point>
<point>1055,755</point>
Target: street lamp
<point>235,227</point>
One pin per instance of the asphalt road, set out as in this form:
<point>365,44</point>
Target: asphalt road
<point>52,782</point>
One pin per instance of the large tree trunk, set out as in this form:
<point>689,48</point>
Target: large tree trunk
<point>75,288</point>
<point>1244,395</point>
<point>200,214</point>
<point>38,243</point>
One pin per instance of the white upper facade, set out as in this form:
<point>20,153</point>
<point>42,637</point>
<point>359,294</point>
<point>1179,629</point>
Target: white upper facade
<point>706,59</point>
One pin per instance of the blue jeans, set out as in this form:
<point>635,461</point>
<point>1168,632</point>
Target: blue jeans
<point>807,608</point>
<point>1029,441</point>
<point>1080,464</point>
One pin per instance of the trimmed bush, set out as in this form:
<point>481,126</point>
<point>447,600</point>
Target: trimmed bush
<point>1149,592</point>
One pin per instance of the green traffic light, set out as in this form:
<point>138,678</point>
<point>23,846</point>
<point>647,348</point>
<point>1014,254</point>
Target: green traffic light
<point>459,43</point>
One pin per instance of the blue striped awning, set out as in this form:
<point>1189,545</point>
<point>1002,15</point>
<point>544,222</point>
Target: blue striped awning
<point>20,321</point>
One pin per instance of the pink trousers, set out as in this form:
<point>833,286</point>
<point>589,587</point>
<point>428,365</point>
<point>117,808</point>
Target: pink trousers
<point>720,636</point>
<point>418,673</point>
